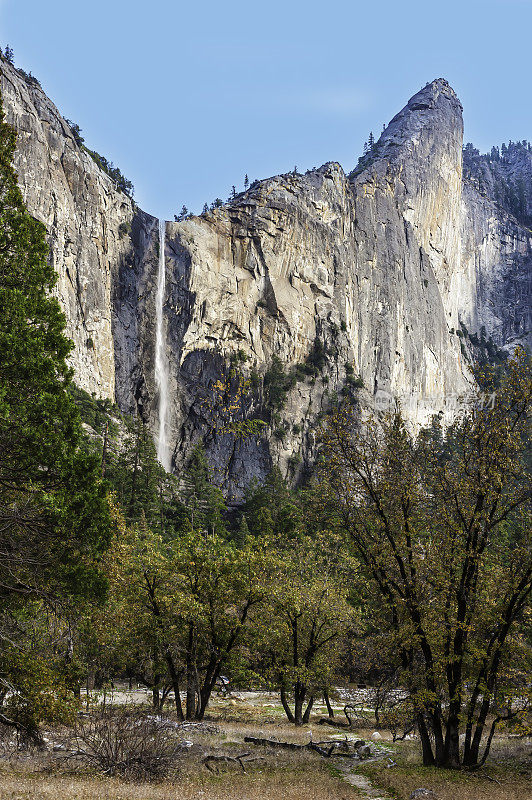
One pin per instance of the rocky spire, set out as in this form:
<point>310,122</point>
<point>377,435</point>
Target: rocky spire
<point>431,120</point>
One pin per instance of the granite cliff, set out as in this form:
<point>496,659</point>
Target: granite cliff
<point>307,285</point>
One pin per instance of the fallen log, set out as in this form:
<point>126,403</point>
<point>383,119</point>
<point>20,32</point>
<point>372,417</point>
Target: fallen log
<point>213,759</point>
<point>275,743</point>
<point>334,723</point>
<point>325,749</point>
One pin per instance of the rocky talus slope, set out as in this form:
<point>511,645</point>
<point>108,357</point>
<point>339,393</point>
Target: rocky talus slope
<point>325,276</point>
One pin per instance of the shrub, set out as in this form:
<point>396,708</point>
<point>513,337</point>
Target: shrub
<point>122,183</point>
<point>127,743</point>
<point>355,381</point>
<point>317,357</point>
<point>124,229</point>
<point>277,384</point>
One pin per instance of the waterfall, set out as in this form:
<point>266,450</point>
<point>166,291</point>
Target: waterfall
<point>161,363</point>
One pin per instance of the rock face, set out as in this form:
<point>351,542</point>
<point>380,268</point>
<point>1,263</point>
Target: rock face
<point>83,215</point>
<point>497,244</point>
<point>333,279</point>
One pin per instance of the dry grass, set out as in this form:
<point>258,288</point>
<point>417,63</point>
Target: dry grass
<point>450,785</point>
<point>279,775</point>
<point>267,784</point>
<point>507,776</point>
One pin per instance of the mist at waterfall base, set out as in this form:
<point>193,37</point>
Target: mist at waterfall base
<point>161,363</point>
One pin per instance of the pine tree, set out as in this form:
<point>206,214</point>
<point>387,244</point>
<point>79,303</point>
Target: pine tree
<point>204,502</point>
<point>8,54</point>
<point>76,132</point>
<point>54,518</point>
<point>246,181</point>
<point>51,495</point>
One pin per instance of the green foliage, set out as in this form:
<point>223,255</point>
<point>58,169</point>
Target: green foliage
<point>317,357</point>
<point>124,229</point>
<point>354,381</point>
<point>203,503</point>
<point>305,615</point>
<point>277,384</point>
<point>271,508</point>
<point>76,132</point>
<point>187,598</point>
<point>122,184</point>
<point>442,526</point>
<point>54,520</point>
<point>50,489</point>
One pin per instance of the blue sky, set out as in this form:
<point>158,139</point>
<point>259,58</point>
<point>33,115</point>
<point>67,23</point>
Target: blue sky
<point>186,98</point>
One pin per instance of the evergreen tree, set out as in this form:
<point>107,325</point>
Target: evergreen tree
<point>246,181</point>
<point>271,508</point>
<point>51,496</point>
<point>76,132</point>
<point>8,54</point>
<point>54,519</point>
<point>203,503</point>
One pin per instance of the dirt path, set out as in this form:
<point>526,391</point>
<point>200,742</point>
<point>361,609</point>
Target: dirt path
<point>363,784</point>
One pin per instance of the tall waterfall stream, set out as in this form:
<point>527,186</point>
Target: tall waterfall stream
<point>161,361</point>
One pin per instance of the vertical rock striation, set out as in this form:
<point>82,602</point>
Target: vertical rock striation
<point>336,276</point>
<point>86,218</point>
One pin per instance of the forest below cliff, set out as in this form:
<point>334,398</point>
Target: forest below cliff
<point>319,596</point>
<point>403,561</point>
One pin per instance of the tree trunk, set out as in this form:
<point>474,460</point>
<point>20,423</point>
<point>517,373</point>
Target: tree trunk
<point>306,715</point>
<point>287,709</point>
<point>191,709</point>
<point>174,677</point>
<point>439,743</point>
<point>452,742</point>
<point>426,746</point>
<point>209,682</point>
<point>327,701</point>
<point>156,697</point>
<point>300,691</point>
